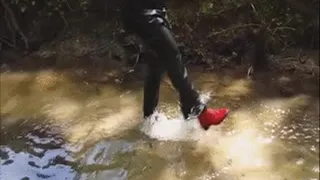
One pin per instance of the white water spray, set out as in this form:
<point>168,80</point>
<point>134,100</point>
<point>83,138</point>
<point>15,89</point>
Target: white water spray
<point>159,127</point>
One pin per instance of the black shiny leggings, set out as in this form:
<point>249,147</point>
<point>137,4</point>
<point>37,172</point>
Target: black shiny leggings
<point>157,36</point>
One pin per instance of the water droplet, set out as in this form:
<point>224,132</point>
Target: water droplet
<point>313,148</point>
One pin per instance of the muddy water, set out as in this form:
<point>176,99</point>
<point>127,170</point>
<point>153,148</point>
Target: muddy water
<point>55,126</point>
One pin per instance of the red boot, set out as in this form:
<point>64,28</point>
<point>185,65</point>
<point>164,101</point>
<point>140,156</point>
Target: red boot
<point>211,117</point>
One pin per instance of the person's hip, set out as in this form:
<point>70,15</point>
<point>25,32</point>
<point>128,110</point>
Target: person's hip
<point>136,19</point>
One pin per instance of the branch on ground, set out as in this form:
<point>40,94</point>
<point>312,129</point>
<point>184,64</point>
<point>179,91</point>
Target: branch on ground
<point>13,24</point>
<point>233,28</point>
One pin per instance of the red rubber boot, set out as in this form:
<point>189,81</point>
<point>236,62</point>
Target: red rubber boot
<point>211,117</point>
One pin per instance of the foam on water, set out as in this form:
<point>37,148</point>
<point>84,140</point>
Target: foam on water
<point>161,128</point>
<point>158,126</point>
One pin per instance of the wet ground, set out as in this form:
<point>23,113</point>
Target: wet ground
<point>55,126</point>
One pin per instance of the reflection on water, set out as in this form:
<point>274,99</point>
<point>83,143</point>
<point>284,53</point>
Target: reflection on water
<point>61,129</point>
<point>103,155</point>
<point>26,166</point>
<point>36,155</point>
<point>41,154</point>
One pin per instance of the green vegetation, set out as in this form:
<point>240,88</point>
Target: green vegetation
<point>274,24</point>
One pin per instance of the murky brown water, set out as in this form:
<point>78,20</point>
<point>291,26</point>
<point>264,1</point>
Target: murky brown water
<point>56,127</point>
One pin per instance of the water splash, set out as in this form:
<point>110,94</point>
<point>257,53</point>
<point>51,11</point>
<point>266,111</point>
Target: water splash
<point>158,126</point>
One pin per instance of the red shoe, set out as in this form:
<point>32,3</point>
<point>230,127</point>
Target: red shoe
<point>211,117</point>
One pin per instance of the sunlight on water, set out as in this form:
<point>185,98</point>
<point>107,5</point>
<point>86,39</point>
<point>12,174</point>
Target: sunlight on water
<point>237,88</point>
<point>264,138</point>
<point>249,149</point>
<point>240,151</point>
<point>246,150</point>
<point>64,108</point>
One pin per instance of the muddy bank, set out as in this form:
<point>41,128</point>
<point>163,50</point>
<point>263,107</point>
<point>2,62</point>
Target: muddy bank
<point>211,34</point>
<point>102,49</point>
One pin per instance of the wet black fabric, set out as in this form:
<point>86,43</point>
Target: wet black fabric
<point>152,26</point>
<point>138,5</point>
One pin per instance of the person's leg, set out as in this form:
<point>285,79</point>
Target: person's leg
<point>159,38</point>
<point>152,87</point>
<point>161,41</point>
